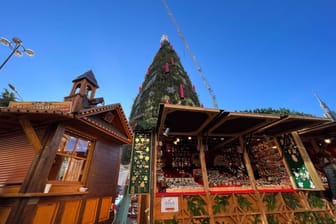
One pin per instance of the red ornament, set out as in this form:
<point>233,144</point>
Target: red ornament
<point>181,91</point>
<point>140,88</point>
<point>148,71</point>
<point>172,60</point>
<point>167,67</point>
<point>167,101</point>
<point>194,88</point>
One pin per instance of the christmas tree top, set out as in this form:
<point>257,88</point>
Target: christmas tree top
<point>165,81</point>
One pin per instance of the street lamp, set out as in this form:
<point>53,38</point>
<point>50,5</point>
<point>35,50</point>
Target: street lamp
<point>17,48</point>
<point>15,90</point>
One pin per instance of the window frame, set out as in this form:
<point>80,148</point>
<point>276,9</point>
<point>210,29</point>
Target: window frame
<point>87,160</point>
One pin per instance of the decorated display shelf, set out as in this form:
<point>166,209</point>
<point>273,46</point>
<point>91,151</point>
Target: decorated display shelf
<point>267,164</point>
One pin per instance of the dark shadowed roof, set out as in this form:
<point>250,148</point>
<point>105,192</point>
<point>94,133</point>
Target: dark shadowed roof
<point>320,131</point>
<point>183,120</point>
<point>89,76</point>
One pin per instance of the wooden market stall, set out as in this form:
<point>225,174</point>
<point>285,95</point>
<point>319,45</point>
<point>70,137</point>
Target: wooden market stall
<point>319,141</point>
<point>60,160</point>
<point>213,166</point>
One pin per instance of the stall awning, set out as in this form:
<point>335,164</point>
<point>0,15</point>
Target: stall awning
<point>184,120</point>
<point>236,124</point>
<point>320,131</point>
<point>192,121</point>
<point>291,123</point>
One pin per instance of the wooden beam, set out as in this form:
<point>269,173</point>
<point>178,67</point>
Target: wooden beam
<point>307,161</point>
<point>153,187</point>
<point>31,134</point>
<point>205,179</point>
<point>247,163</point>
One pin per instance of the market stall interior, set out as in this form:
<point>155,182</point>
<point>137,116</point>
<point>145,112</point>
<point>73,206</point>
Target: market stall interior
<point>239,151</point>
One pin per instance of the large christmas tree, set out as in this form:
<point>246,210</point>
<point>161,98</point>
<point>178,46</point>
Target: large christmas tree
<point>165,81</point>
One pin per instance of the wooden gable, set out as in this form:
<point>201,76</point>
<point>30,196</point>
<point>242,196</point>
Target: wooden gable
<point>109,119</point>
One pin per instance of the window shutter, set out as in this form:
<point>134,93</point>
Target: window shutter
<point>16,155</point>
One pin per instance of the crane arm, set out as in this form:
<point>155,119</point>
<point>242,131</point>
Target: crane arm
<point>198,67</point>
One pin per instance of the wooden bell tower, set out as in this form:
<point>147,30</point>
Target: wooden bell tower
<point>83,91</point>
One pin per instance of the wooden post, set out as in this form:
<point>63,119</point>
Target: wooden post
<point>33,182</point>
<point>153,189</point>
<point>252,178</point>
<point>142,206</point>
<point>247,162</point>
<point>205,179</point>
<point>306,159</point>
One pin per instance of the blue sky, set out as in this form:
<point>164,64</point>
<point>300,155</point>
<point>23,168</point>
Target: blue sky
<point>254,54</point>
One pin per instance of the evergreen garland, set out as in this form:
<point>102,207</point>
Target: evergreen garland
<point>196,205</point>
<point>270,200</point>
<point>291,200</point>
<point>272,219</point>
<point>244,203</point>
<point>315,200</point>
<point>221,201</point>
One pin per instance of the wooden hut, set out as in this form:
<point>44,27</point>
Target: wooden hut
<point>214,166</point>
<point>59,161</point>
<point>320,141</point>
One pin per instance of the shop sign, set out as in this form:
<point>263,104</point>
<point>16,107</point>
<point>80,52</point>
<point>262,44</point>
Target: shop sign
<point>140,163</point>
<point>54,106</point>
<point>169,204</point>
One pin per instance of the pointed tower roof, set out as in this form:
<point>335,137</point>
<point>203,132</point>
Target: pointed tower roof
<point>327,112</point>
<point>165,82</point>
<point>89,76</point>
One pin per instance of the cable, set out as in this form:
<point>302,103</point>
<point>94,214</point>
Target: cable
<point>198,67</point>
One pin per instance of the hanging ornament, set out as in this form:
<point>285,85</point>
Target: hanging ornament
<point>172,60</point>
<point>170,89</point>
<point>181,91</point>
<point>171,47</point>
<point>148,71</point>
<point>140,88</point>
<point>194,88</point>
<point>167,67</point>
<point>167,101</point>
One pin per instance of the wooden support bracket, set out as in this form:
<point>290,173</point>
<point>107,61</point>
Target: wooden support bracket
<point>31,134</point>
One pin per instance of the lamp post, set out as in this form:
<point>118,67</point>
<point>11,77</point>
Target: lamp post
<point>15,90</point>
<point>17,48</point>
